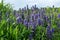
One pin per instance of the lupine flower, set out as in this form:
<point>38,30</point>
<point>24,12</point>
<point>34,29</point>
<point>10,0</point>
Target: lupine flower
<point>29,25</point>
<point>19,20</point>
<point>49,21</point>
<point>32,32</point>
<point>49,32</point>
<point>42,13</point>
<point>17,15</point>
<point>26,23</point>
<point>32,8</point>
<point>42,9</point>
<point>34,25</point>
<point>22,15</point>
<point>40,21</point>
<point>36,16</point>
<point>32,16</point>
<point>52,30</point>
<point>46,17</point>
<point>31,22</point>
<point>58,15</point>
<point>48,27</point>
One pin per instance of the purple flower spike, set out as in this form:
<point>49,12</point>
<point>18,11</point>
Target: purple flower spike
<point>25,22</point>
<point>39,21</point>
<point>34,25</point>
<point>17,15</point>
<point>48,27</point>
<point>31,22</point>
<point>32,16</point>
<point>36,16</point>
<point>58,15</point>
<point>52,30</point>
<point>18,19</point>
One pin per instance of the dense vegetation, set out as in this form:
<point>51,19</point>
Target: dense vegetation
<point>29,24</point>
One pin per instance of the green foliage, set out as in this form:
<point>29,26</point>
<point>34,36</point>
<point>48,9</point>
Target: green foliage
<point>40,33</point>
